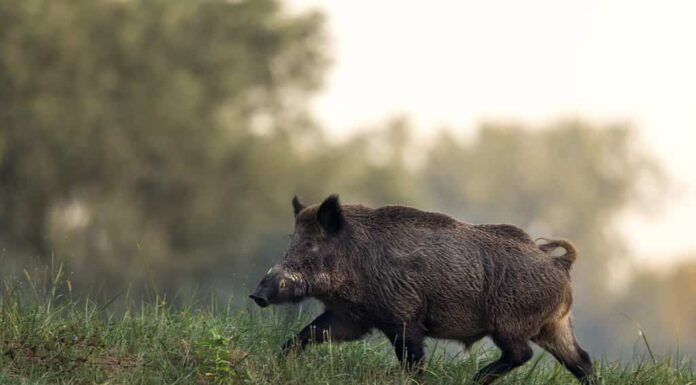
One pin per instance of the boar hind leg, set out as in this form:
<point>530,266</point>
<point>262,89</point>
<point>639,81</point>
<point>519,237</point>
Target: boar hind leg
<point>408,346</point>
<point>326,327</point>
<point>558,339</point>
<point>515,352</point>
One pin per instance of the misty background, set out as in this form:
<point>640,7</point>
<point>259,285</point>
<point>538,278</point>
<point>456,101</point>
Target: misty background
<point>158,144</point>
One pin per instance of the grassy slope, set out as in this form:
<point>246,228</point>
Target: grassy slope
<point>49,340</point>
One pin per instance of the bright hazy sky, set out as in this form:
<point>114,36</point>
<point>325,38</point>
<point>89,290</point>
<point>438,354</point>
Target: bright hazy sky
<point>456,63</point>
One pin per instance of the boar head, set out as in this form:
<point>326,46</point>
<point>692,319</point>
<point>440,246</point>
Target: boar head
<point>310,263</point>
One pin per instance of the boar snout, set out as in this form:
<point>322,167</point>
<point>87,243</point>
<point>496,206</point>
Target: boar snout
<point>259,298</point>
<point>278,286</point>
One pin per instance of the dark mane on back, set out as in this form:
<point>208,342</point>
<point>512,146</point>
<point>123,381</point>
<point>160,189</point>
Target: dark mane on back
<point>401,214</point>
<point>507,232</point>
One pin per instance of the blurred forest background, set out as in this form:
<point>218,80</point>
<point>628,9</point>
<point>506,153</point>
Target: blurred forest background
<point>161,142</point>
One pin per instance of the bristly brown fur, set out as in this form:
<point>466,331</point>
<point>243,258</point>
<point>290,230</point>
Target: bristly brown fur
<point>414,274</point>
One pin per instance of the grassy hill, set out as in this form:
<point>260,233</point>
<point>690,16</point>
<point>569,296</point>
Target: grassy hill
<point>50,338</point>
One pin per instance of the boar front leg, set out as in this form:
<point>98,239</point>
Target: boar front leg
<point>329,326</point>
<point>408,346</point>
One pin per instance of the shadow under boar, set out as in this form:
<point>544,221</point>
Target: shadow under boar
<point>413,274</point>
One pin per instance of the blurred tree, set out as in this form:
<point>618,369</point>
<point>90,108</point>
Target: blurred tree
<point>663,305</point>
<point>372,168</point>
<point>126,122</point>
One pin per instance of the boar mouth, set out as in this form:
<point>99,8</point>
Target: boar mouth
<point>261,301</point>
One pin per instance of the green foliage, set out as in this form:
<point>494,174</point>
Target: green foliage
<point>131,128</point>
<point>55,340</point>
<point>215,355</point>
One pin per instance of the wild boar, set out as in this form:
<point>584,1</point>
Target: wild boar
<point>413,274</point>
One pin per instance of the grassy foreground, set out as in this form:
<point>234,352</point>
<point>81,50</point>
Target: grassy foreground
<point>52,339</point>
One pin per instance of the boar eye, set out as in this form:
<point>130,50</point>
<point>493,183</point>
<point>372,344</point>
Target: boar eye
<point>282,284</point>
<point>308,244</point>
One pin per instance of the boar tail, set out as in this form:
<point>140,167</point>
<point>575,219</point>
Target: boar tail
<point>566,260</point>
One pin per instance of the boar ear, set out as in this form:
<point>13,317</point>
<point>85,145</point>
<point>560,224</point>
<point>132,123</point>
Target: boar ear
<point>329,215</point>
<point>296,205</point>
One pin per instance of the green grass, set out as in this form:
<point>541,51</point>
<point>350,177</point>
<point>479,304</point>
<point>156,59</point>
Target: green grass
<point>51,338</point>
